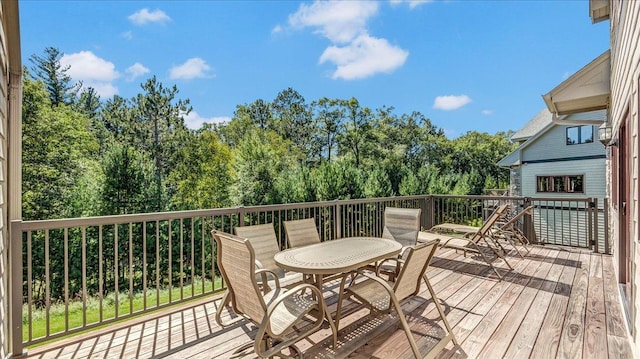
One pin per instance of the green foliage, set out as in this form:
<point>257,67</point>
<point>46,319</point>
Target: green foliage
<point>128,179</point>
<point>48,69</point>
<point>83,157</point>
<point>295,185</point>
<point>378,184</point>
<point>258,160</point>
<point>338,180</point>
<point>204,174</point>
<point>410,185</point>
<point>58,148</point>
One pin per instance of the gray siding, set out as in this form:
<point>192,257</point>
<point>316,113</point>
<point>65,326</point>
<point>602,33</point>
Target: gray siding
<point>553,145</point>
<point>593,171</point>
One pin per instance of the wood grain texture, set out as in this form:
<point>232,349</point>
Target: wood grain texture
<point>525,315</point>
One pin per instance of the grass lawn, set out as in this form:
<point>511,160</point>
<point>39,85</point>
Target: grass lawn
<point>57,312</point>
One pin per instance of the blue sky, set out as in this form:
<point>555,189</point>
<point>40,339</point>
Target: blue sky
<point>466,65</point>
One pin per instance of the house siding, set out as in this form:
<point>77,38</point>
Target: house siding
<point>625,75</point>
<point>593,171</point>
<point>553,145</point>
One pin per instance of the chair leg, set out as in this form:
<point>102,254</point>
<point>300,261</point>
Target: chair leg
<point>487,260</point>
<point>224,302</point>
<point>407,330</point>
<point>439,307</point>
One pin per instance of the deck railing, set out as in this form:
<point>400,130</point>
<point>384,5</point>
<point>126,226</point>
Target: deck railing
<point>85,272</point>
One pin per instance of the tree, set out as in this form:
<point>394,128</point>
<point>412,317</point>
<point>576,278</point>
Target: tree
<point>58,83</point>
<point>88,103</point>
<point>203,176</point>
<point>356,135</point>
<point>294,122</point>
<point>159,125</point>
<point>328,118</point>
<point>257,161</point>
<point>128,179</point>
<point>378,184</point>
<point>57,144</point>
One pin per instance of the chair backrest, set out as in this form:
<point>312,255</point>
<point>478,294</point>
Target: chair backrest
<point>236,260</point>
<point>301,232</point>
<point>402,225</point>
<point>418,258</point>
<point>264,242</point>
<point>514,219</point>
<point>486,226</point>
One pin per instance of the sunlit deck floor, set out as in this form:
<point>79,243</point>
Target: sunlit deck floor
<point>557,302</point>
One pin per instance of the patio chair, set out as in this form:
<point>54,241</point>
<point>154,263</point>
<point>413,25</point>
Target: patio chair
<point>385,297</point>
<point>265,245</point>
<point>470,242</point>
<point>283,316</point>
<point>301,232</point>
<point>401,225</point>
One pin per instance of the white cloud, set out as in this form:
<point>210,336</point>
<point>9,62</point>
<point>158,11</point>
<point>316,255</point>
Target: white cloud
<point>364,57</point>
<point>93,71</point>
<point>448,103</point>
<point>127,35</point>
<point>144,16</point>
<point>136,70</point>
<point>192,68</point>
<point>412,3</point>
<point>487,112</point>
<point>339,21</point>
<point>194,121</point>
<point>104,89</point>
<point>354,51</point>
<point>277,29</point>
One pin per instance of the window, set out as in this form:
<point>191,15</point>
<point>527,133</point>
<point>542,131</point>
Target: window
<point>560,184</point>
<point>579,134</point>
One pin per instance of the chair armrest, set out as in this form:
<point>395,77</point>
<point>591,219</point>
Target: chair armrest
<point>264,272</point>
<point>258,264</point>
<point>380,263</point>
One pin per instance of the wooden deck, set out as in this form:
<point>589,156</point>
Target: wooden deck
<point>557,302</point>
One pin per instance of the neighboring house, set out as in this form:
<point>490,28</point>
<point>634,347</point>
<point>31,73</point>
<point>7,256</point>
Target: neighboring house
<point>613,83</point>
<point>553,160</point>
<point>560,162</point>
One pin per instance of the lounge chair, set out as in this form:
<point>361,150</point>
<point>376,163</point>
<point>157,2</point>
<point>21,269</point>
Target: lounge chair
<point>470,242</point>
<point>385,297</point>
<point>265,244</point>
<point>283,316</point>
<point>301,232</point>
<point>506,227</point>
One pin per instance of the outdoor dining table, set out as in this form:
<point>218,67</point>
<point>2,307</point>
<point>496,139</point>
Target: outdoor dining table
<point>336,256</point>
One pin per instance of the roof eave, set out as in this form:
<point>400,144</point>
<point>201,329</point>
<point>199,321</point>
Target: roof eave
<point>587,90</point>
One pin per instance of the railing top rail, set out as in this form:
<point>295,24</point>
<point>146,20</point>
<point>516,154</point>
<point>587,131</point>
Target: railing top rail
<point>177,215</point>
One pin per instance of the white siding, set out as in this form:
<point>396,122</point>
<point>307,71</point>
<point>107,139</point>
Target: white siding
<point>593,171</point>
<point>553,144</point>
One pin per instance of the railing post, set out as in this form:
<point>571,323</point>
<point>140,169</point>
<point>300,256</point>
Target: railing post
<point>15,288</point>
<point>528,227</point>
<point>607,246</point>
<point>593,225</point>
<point>338,211</point>
<point>432,212</point>
<point>241,214</point>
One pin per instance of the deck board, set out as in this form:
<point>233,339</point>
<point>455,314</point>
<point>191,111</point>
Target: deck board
<point>554,303</point>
